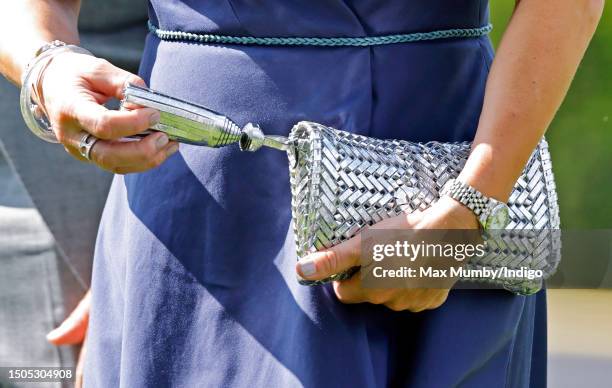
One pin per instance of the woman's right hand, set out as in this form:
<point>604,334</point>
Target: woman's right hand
<point>74,88</point>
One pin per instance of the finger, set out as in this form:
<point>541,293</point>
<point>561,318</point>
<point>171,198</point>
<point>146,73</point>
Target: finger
<point>133,156</point>
<point>78,383</point>
<point>321,265</point>
<point>401,304</point>
<point>73,329</point>
<point>350,291</point>
<point>75,153</point>
<point>435,298</point>
<point>111,80</point>
<point>122,157</point>
<point>109,124</point>
<point>71,139</point>
<point>418,300</point>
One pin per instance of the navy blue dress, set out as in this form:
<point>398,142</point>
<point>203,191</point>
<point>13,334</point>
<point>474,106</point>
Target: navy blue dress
<point>194,281</point>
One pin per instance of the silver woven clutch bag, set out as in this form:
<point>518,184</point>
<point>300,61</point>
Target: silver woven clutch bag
<point>341,182</point>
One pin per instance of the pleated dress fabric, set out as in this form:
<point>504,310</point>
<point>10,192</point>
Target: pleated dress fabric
<point>194,282</point>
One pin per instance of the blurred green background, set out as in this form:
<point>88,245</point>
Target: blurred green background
<point>580,137</point>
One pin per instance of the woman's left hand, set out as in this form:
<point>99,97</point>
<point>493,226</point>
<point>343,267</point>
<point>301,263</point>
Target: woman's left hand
<point>444,214</point>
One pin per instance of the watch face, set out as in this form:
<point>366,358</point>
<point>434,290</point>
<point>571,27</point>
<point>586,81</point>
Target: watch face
<point>499,217</point>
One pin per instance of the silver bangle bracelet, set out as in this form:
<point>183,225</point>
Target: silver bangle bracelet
<point>30,101</point>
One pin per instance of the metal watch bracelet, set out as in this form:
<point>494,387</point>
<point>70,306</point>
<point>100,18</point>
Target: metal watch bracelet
<point>489,211</point>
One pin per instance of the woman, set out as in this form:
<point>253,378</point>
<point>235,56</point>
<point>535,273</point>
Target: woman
<point>194,277</point>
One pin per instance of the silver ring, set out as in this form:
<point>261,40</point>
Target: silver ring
<point>86,143</point>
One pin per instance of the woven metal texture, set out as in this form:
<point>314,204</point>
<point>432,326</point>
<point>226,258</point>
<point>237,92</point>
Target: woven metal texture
<point>342,182</point>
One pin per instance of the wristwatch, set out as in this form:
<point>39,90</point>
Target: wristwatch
<point>491,213</point>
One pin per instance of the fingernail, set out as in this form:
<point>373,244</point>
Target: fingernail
<point>52,335</point>
<point>161,141</point>
<point>307,267</point>
<point>154,119</point>
<point>172,149</point>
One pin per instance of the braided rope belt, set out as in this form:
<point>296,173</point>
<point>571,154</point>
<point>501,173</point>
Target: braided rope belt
<point>342,182</point>
<point>314,41</point>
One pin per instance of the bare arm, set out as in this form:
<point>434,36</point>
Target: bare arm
<point>27,24</point>
<point>76,86</point>
<point>534,66</point>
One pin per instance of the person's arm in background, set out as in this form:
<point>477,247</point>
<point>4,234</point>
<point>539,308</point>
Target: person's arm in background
<point>73,331</point>
<point>534,66</point>
<point>75,87</point>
